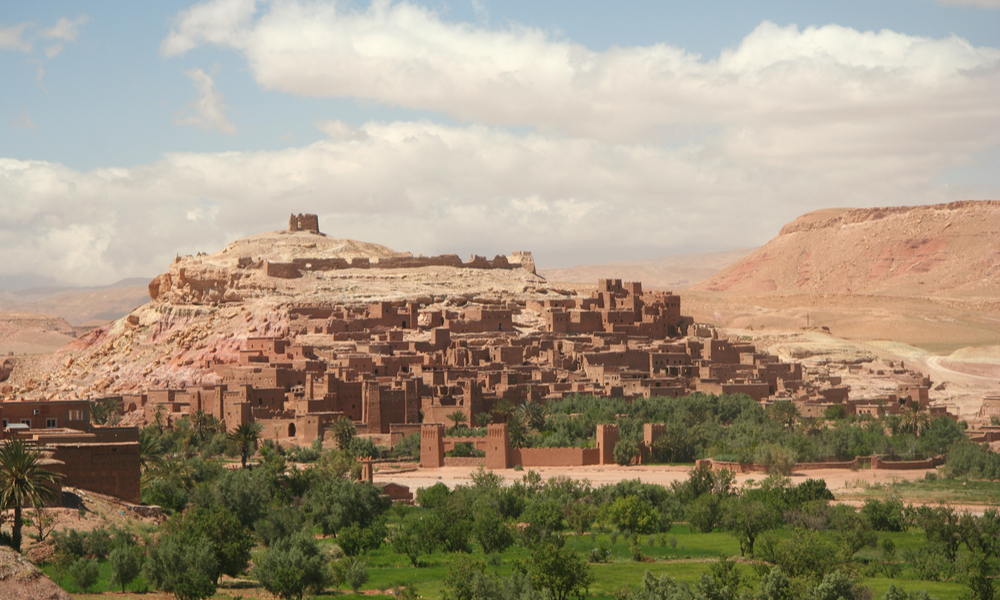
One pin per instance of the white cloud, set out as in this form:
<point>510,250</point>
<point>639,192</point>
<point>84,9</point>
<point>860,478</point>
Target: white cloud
<point>66,29</point>
<point>218,22</point>
<point>430,189</point>
<point>780,83</point>
<point>208,111</point>
<point>12,38</point>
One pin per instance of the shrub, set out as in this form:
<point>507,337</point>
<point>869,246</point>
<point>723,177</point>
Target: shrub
<point>291,566</point>
<point>84,573</point>
<point>633,515</point>
<point>187,569</point>
<point>355,572</point>
<point>625,451</point>
<point>599,554</point>
<point>126,562</point>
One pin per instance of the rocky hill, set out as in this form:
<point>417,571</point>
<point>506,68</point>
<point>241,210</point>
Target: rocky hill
<point>204,307</point>
<point>937,250</point>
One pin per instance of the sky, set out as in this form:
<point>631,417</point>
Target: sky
<point>583,131</point>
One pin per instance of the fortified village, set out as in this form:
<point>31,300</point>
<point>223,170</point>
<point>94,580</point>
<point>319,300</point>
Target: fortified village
<point>400,367</point>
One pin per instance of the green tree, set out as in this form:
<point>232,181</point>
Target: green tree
<point>703,513</point>
<point>625,451</point>
<point>293,565</point>
<point>561,571</point>
<point>186,569</point>
<point>980,572</point>
<point>343,432</point>
<point>774,585</point>
<point>126,563</point>
<point>483,419</point>
<point>84,572</point>
<point>490,530</point>
<point>412,539</point>
<point>24,482</point>
<point>837,585</point>
<point>246,437</point>
<point>747,519</point>
<point>336,503</point>
<point>230,540</point>
<point>633,515</point>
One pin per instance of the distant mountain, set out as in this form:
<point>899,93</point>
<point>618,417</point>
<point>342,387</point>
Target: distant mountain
<point>678,272</point>
<point>936,250</point>
<point>80,306</point>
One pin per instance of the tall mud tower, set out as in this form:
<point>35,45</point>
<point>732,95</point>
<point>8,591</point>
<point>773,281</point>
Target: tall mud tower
<point>302,222</point>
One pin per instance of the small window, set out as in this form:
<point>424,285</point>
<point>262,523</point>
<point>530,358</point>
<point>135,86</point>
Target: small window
<point>50,423</point>
<point>26,422</point>
<point>5,423</point>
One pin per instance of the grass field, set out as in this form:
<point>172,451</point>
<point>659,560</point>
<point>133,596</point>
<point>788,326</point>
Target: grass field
<point>681,553</point>
<point>961,492</point>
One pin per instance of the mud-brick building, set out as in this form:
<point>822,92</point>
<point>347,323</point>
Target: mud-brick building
<point>99,459</point>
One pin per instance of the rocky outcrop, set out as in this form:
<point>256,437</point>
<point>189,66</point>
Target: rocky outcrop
<point>193,282</point>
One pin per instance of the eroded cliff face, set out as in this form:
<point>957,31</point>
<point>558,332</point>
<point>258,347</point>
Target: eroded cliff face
<point>944,249</point>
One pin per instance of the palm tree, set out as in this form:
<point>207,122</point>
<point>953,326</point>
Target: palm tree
<point>159,417</point>
<point>204,424</point>
<point>150,448</point>
<point>504,409</point>
<point>532,414</point>
<point>915,418</point>
<point>516,434</point>
<point>343,431</point>
<point>484,419</point>
<point>173,469</point>
<point>784,412</point>
<point>246,437</point>
<point>23,482</point>
<point>458,417</point>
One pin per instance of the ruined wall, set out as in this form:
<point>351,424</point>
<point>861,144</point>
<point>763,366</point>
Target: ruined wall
<point>303,222</point>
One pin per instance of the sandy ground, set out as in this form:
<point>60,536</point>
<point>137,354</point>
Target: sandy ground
<point>838,480</point>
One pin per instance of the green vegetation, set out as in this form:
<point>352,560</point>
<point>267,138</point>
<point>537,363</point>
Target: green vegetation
<point>728,428</point>
<point>317,531</point>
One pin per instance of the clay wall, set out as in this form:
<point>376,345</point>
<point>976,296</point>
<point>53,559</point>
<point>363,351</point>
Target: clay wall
<point>110,468</point>
<point>555,457</point>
